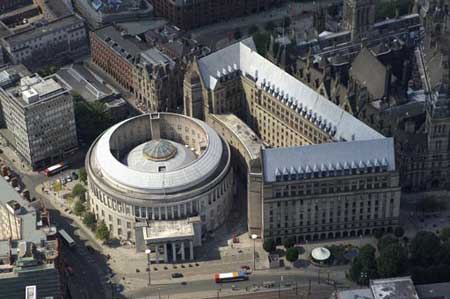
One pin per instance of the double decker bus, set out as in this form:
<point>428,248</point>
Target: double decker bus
<point>67,239</point>
<point>231,276</point>
<point>56,168</point>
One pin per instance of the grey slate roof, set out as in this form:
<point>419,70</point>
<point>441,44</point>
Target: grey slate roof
<point>370,72</point>
<point>242,57</point>
<point>328,157</point>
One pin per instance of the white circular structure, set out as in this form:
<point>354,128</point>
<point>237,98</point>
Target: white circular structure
<point>320,254</point>
<point>160,166</point>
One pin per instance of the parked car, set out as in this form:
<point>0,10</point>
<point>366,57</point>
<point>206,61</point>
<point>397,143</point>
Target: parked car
<point>245,267</point>
<point>177,275</point>
<point>69,178</point>
<point>74,176</point>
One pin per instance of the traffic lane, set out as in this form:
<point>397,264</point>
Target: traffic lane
<point>85,276</point>
<point>302,279</point>
<point>90,269</point>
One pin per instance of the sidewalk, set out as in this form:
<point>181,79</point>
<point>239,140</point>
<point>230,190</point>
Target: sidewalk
<point>11,154</point>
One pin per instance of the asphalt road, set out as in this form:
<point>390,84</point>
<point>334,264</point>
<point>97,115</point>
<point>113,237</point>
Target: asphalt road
<point>257,279</point>
<point>89,279</point>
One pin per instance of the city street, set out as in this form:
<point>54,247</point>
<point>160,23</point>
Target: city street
<point>88,280</point>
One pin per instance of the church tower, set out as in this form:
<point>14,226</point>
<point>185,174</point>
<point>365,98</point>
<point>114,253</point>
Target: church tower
<point>358,17</point>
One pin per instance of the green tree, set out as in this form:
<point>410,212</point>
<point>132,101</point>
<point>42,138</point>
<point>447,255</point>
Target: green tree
<point>444,234</point>
<point>82,175</point>
<point>78,190</point>
<point>377,233</point>
<point>392,261</point>
<point>237,33</point>
<point>287,22</point>
<point>89,220</point>
<point>422,247</point>
<point>292,254</point>
<point>386,241</point>
<point>269,245</point>
<point>79,208</point>
<point>364,266</point>
<point>92,118</point>
<point>102,232</point>
<point>262,40</point>
<point>399,232</point>
<point>270,26</point>
<point>253,29</point>
<point>289,242</point>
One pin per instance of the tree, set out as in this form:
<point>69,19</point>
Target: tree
<point>253,29</point>
<point>445,234</point>
<point>82,174</point>
<point>92,118</point>
<point>237,33</point>
<point>269,245</point>
<point>78,190</point>
<point>102,232</point>
<point>89,220</point>
<point>78,208</point>
<point>377,233</point>
<point>292,254</point>
<point>363,265</point>
<point>287,22</point>
<point>262,40</point>
<point>422,247</point>
<point>270,26</point>
<point>289,242</point>
<point>399,231</point>
<point>386,241</point>
<point>392,261</point>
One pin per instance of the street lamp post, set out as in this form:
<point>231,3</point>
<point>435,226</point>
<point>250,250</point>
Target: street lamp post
<point>148,251</point>
<point>254,237</point>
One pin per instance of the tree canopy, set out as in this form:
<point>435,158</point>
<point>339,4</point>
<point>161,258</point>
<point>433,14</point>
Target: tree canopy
<point>289,242</point>
<point>78,190</point>
<point>269,245</point>
<point>89,220</point>
<point>292,254</point>
<point>364,266</point>
<point>78,208</point>
<point>422,247</point>
<point>392,261</point>
<point>102,232</point>
<point>82,174</point>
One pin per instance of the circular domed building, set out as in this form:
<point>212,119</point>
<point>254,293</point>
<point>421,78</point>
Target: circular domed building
<point>160,177</point>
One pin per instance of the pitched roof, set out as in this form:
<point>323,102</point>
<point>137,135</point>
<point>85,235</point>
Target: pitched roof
<point>328,157</point>
<point>369,71</point>
<point>242,57</point>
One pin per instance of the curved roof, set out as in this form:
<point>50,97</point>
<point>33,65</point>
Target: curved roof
<point>159,150</point>
<point>179,179</point>
<point>320,254</point>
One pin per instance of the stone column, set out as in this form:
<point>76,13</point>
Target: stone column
<point>182,251</point>
<point>191,250</point>
<point>167,213</point>
<point>173,211</point>
<point>174,252</point>
<point>159,211</point>
<point>157,253</point>
<point>166,258</point>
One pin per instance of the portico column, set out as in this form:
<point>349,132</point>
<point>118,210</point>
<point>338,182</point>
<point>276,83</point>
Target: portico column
<point>174,252</point>
<point>157,253</point>
<point>182,251</point>
<point>173,211</point>
<point>159,211</point>
<point>166,258</point>
<point>191,250</point>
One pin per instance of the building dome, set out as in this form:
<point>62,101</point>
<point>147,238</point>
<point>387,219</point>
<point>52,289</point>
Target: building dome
<point>159,150</point>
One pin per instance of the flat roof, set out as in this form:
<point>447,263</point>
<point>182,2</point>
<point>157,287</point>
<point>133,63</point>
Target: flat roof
<point>29,229</point>
<point>163,230</point>
<point>393,288</point>
<point>244,133</point>
<point>45,29</point>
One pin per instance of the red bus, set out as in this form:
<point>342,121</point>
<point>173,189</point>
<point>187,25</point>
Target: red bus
<point>56,168</point>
